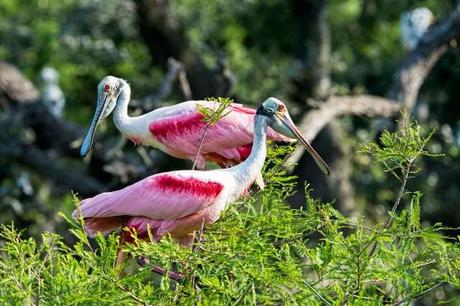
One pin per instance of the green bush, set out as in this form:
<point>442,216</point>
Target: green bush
<point>260,252</point>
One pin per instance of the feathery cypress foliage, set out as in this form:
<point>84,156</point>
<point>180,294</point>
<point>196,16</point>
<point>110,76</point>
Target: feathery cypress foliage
<point>260,252</point>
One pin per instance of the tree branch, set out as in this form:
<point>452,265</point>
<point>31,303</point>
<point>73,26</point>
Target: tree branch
<point>175,72</point>
<point>419,294</point>
<point>14,87</point>
<point>406,83</point>
<point>313,47</point>
<point>63,176</point>
<point>159,26</point>
<point>365,105</point>
<point>418,64</point>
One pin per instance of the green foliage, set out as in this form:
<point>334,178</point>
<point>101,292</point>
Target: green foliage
<point>220,110</point>
<point>86,40</point>
<point>211,116</point>
<point>260,252</point>
<point>399,150</point>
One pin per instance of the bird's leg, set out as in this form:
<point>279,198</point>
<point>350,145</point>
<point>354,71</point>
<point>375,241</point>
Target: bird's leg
<point>222,165</point>
<point>172,275</point>
<point>199,237</point>
<point>186,240</point>
<point>120,253</point>
<point>117,148</point>
<point>177,276</point>
<point>121,242</point>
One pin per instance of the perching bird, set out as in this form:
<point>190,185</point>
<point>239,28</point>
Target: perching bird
<point>180,202</point>
<point>177,129</point>
<point>52,95</point>
<point>414,24</point>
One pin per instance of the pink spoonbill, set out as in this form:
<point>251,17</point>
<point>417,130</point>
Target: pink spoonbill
<point>177,129</point>
<point>179,202</point>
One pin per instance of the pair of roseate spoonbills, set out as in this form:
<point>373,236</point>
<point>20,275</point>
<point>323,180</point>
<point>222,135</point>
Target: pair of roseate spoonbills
<point>180,202</point>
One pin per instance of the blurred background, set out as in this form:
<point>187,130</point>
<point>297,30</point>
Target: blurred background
<point>305,52</point>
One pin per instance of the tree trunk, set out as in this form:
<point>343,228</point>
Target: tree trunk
<point>165,37</point>
<point>313,81</point>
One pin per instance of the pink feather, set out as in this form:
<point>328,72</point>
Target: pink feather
<point>227,142</point>
<point>163,201</point>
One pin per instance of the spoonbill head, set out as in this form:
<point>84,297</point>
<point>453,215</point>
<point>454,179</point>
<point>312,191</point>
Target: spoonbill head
<point>281,122</point>
<point>107,94</point>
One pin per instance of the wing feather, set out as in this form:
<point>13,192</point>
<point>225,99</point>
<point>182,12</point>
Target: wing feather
<point>165,196</point>
<point>182,132</point>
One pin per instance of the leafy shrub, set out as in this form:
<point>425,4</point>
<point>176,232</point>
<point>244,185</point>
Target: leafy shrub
<point>260,252</point>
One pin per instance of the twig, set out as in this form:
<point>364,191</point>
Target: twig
<point>131,295</point>
<point>241,297</point>
<point>198,152</point>
<point>418,295</point>
<point>316,293</point>
<point>174,72</point>
<point>184,84</point>
<point>211,117</point>
<point>178,277</point>
<point>396,204</point>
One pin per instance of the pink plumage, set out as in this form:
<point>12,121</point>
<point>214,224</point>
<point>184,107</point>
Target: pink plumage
<point>177,129</point>
<point>165,202</point>
<point>228,142</point>
<point>180,202</point>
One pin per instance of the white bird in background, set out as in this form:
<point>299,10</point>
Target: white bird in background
<point>52,95</point>
<point>414,24</point>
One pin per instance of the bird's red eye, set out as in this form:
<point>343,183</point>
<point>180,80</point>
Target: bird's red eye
<point>281,108</point>
<point>106,87</point>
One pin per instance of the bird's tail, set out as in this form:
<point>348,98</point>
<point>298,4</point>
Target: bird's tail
<point>102,225</point>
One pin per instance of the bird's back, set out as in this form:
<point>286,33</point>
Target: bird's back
<point>179,129</point>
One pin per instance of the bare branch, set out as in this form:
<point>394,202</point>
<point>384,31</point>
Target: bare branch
<point>175,72</point>
<point>184,84</point>
<point>160,26</point>
<point>63,176</point>
<point>14,87</point>
<point>406,84</point>
<point>313,46</point>
<point>418,64</point>
<point>314,121</point>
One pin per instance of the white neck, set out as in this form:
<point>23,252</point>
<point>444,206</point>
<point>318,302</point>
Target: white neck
<point>247,171</point>
<point>120,113</point>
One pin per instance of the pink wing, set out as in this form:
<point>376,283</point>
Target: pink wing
<point>230,137</point>
<point>165,196</point>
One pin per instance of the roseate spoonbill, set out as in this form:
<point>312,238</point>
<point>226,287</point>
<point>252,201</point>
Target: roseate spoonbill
<point>180,202</point>
<point>177,129</point>
<point>414,24</point>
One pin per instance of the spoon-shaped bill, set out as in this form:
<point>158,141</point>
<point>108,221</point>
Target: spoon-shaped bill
<point>89,137</point>
<point>291,126</point>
